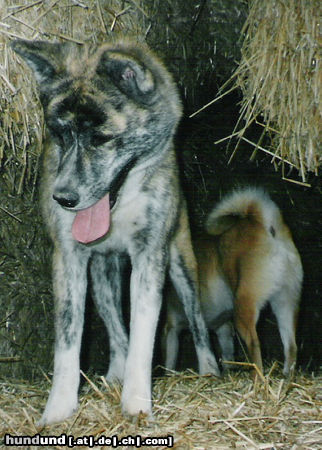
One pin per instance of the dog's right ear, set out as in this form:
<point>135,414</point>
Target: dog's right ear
<point>40,56</point>
<point>129,74</point>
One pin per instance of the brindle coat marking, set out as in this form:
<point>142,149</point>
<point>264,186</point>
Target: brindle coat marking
<point>111,112</point>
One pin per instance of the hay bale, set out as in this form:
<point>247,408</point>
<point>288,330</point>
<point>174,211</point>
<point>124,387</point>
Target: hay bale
<point>280,78</point>
<point>26,306</point>
<point>198,412</point>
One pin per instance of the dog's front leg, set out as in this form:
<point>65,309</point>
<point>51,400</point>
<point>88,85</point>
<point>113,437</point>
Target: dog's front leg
<point>106,274</point>
<point>146,295</point>
<point>183,276</point>
<point>70,282</point>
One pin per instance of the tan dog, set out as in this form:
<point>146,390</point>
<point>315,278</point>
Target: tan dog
<point>250,260</point>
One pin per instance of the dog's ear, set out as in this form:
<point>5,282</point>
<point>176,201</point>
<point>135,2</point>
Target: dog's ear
<point>130,75</point>
<point>40,56</point>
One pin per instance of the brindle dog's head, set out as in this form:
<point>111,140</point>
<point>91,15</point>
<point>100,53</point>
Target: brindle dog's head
<point>107,108</point>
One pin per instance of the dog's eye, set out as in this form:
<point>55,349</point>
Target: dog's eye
<point>100,139</point>
<point>60,132</point>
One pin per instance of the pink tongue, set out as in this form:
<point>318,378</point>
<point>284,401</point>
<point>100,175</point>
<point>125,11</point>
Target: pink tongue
<point>92,223</point>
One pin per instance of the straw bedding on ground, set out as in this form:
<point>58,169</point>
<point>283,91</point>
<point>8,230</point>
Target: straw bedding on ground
<point>199,412</point>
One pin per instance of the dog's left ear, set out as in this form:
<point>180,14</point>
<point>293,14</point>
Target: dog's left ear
<point>131,76</point>
<point>41,57</point>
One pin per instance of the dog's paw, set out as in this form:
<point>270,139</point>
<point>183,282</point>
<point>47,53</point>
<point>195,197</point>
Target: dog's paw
<point>53,416</point>
<point>113,378</point>
<point>227,367</point>
<point>57,410</point>
<point>135,405</point>
<point>227,363</point>
<point>115,373</point>
<point>288,371</point>
<point>208,365</point>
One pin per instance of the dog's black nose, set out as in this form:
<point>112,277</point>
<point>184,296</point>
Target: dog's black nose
<point>66,199</point>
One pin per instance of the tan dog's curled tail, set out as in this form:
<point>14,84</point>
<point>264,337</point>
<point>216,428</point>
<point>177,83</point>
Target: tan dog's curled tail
<point>249,203</point>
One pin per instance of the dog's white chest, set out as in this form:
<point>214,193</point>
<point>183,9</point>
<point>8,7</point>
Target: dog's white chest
<point>127,220</point>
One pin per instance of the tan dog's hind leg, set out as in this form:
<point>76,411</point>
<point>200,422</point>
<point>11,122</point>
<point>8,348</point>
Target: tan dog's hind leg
<point>245,322</point>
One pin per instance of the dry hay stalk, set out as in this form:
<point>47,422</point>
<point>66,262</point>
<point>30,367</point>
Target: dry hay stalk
<point>280,78</point>
<point>199,412</point>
